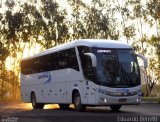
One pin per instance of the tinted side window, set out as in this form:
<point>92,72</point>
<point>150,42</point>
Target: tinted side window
<point>61,62</point>
<point>46,63</point>
<point>27,66</point>
<point>42,64</point>
<point>51,62</point>
<point>67,59</point>
<point>33,66</point>
<point>86,62</point>
<point>23,67</point>
<point>72,59</point>
<point>55,61</point>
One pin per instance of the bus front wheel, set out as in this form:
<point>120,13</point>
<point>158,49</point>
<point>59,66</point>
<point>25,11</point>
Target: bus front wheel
<point>115,107</point>
<point>77,102</point>
<point>36,105</point>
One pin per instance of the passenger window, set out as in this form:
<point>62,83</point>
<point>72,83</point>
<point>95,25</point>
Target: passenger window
<point>54,61</point>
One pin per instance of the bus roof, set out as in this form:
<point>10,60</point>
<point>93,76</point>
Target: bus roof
<point>100,43</point>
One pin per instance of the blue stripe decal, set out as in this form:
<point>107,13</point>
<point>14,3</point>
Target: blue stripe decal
<point>123,90</point>
<point>45,75</point>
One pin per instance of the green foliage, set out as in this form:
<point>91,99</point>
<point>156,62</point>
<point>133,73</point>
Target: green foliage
<point>155,63</point>
<point>55,31</point>
<point>150,99</point>
<point>155,41</point>
<point>153,7</point>
<point>129,31</point>
<point>4,53</point>
<point>10,3</point>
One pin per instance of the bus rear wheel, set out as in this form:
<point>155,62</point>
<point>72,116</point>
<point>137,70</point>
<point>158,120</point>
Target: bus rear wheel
<point>36,105</point>
<point>77,102</point>
<point>64,106</point>
<point>115,107</point>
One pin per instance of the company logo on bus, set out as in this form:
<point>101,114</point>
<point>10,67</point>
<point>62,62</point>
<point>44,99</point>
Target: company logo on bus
<point>46,76</point>
<point>103,51</point>
<point>123,90</point>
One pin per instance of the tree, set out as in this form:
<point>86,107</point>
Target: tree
<point>56,30</point>
<point>153,9</point>
<point>91,21</point>
<point>11,31</point>
<point>3,55</point>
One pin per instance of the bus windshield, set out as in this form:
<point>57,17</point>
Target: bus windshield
<point>117,68</point>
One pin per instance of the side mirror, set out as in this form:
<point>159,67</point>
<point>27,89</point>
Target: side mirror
<point>93,58</point>
<point>144,60</point>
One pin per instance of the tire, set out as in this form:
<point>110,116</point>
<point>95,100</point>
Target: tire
<point>115,107</point>
<point>36,105</point>
<point>77,102</point>
<point>64,106</point>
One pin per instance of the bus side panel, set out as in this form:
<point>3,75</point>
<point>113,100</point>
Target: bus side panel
<point>78,85</point>
<point>60,92</point>
<point>56,90</point>
<point>52,93</point>
<point>91,95</point>
<point>65,80</point>
<point>69,89</point>
<point>25,93</point>
<point>45,93</point>
<point>25,89</point>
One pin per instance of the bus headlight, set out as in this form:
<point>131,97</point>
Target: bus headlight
<point>103,91</point>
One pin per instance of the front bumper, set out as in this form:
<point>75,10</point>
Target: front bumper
<point>114,100</point>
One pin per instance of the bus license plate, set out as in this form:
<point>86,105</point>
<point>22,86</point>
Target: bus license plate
<point>123,100</point>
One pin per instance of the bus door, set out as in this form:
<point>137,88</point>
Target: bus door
<point>90,91</point>
<point>89,76</point>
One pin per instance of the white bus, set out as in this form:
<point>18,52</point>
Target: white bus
<point>86,72</point>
